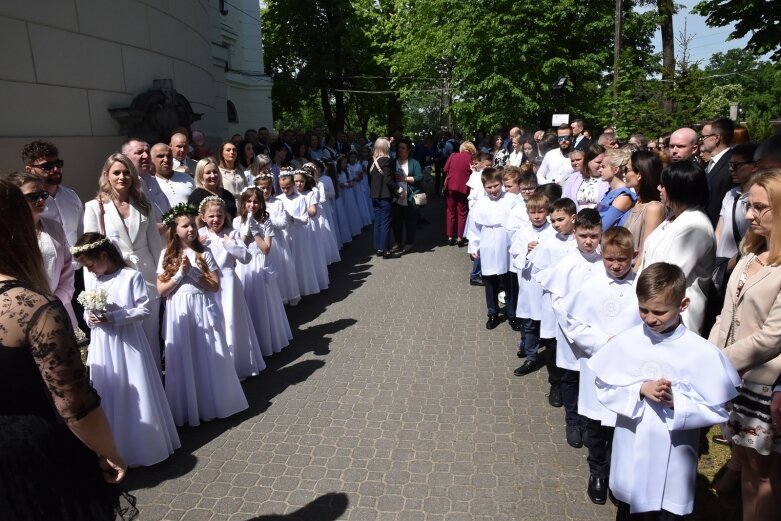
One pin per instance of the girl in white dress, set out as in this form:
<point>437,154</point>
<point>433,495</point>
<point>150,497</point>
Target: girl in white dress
<point>120,360</point>
<point>200,380</point>
<point>227,247</point>
<point>347,187</point>
<point>304,183</point>
<point>279,261</point>
<point>339,208</point>
<point>325,187</point>
<point>301,243</point>
<point>357,175</point>
<point>260,288</point>
<point>330,248</point>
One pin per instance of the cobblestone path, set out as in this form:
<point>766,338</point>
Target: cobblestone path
<point>392,403</point>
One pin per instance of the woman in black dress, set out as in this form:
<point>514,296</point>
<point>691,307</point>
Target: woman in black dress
<point>58,459</point>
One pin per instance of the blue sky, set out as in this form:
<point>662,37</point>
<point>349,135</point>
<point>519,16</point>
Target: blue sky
<point>706,40</point>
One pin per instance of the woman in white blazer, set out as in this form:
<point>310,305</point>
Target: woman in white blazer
<point>121,212</point>
<point>686,237</point>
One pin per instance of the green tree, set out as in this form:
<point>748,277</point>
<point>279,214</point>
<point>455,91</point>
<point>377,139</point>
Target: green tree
<point>760,18</point>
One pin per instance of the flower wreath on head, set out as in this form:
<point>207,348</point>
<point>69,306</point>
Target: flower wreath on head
<point>249,188</point>
<point>303,172</point>
<point>76,250</point>
<point>169,217</point>
<point>208,200</point>
<point>286,171</point>
<point>309,168</point>
<point>264,174</point>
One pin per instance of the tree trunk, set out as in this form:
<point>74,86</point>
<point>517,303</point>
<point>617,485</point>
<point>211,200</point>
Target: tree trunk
<point>328,116</point>
<point>395,114</point>
<point>666,9</point>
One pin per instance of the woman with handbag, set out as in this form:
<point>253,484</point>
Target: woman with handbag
<point>404,212</point>
<point>384,189</point>
<point>122,213</point>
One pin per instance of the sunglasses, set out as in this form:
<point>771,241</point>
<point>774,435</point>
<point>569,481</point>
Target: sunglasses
<point>48,166</point>
<point>564,138</point>
<point>34,197</point>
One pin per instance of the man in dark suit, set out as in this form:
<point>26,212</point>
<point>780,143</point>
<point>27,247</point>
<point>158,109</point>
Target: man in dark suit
<point>580,142</point>
<point>716,139</point>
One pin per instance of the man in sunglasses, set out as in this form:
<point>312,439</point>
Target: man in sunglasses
<point>556,166</point>
<point>63,205</point>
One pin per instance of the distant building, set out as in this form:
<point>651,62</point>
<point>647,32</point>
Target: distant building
<point>86,74</point>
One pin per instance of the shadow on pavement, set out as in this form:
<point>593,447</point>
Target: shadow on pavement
<point>327,507</point>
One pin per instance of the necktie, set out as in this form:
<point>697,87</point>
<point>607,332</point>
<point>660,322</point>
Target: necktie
<point>709,166</point>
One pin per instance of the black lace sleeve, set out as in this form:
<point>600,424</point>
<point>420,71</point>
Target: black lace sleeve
<point>53,347</point>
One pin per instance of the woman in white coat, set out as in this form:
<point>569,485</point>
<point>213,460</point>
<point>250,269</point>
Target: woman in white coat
<point>686,237</point>
<point>121,212</point>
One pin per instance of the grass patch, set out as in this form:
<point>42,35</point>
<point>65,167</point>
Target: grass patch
<point>707,504</point>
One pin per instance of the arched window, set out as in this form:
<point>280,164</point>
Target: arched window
<point>233,115</point>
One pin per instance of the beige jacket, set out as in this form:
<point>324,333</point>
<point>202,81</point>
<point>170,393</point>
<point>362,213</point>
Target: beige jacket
<point>756,353</point>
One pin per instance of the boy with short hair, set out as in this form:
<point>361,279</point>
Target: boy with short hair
<point>602,306</point>
<point>652,377</point>
<point>559,282</point>
<point>489,240</point>
<point>524,241</point>
<point>548,254</point>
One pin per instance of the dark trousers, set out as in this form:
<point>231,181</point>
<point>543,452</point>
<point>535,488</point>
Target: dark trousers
<point>492,287</point>
<point>511,294</point>
<point>531,338</point>
<point>382,221</point>
<point>599,443</point>
<point>554,371</point>
<point>456,208</point>
<point>475,273</point>
<point>658,515</point>
<point>570,384</point>
<point>404,218</point>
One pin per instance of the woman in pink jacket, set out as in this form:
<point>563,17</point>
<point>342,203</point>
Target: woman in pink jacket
<point>457,169</point>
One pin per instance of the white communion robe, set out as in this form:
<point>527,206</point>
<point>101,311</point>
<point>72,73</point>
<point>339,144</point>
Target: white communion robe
<point>488,236</point>
<point>547,255</point>
<point>560,282</point>
<point>529,291</point>
<point>654,460</point>
<point>596,310</point>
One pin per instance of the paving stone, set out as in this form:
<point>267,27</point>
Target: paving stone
<point>408,414</point>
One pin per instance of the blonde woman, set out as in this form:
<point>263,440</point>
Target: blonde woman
<point>208,182</point>
<point>458,168</point>
<point>121,212</point>
<point>384,189</point>
<point>619,199</point>
<point>749,332</point>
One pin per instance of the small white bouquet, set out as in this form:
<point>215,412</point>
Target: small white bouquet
<point>93,300</point>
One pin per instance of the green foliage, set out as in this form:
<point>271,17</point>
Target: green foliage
<point>760,18</point>
<point>717,102</point>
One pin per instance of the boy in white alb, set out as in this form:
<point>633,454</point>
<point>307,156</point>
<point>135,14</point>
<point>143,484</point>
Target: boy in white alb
<point>489,240</point>
<point>652,377</point>
<point>601,307</point>
<point>524,241</point>
<point>560,281</point>
<point>546,255</point>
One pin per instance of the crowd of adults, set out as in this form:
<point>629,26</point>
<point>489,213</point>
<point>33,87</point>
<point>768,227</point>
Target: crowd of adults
<point>693,215</point>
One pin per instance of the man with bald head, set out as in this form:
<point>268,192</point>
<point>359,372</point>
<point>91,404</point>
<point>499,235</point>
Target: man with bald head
<point>683,145</point>
<point>177,186</point>
<point>179,148</point>
<point>138,152</point>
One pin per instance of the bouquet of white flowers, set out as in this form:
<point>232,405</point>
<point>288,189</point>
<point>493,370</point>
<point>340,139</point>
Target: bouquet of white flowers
<point>93,300</point>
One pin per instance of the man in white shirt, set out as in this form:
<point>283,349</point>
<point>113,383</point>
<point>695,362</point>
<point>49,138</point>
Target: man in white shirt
<point>176,186</point>
<point>64,206</point>
<point>556,166</point>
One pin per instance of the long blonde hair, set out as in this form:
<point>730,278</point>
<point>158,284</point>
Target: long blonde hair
<point>381,147</point>
<point>137,196</point>
<point>754,243</point>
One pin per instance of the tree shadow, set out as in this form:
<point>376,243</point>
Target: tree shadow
<point>327,507</point>
<point>259,391</point>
